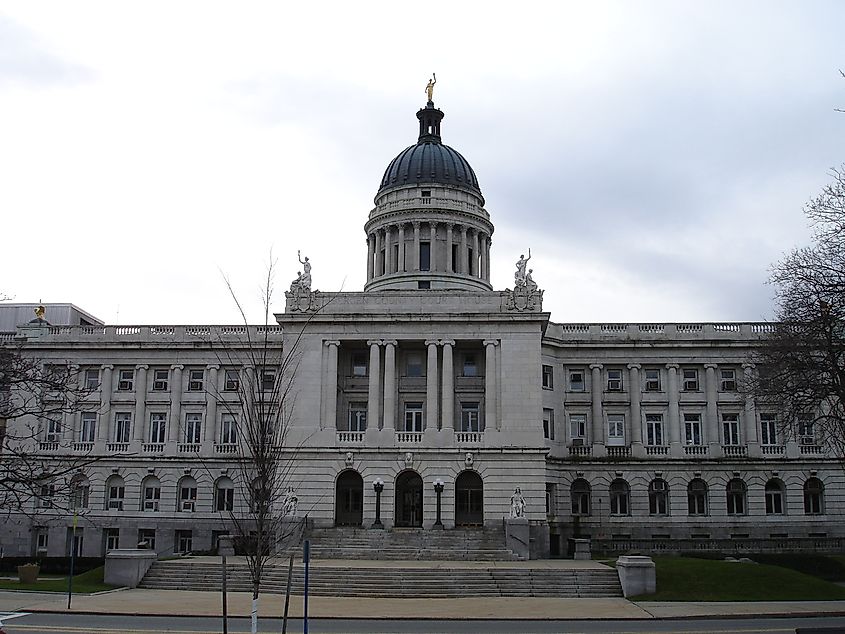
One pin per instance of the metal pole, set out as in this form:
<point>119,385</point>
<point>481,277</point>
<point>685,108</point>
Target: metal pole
<point>287,597</point>
<point>72,558</point>
<point>306,547</point>
<point>225,607</point>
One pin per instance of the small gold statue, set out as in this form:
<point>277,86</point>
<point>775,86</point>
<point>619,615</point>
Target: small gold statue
<point>429,89</point>
<point>40,312</point>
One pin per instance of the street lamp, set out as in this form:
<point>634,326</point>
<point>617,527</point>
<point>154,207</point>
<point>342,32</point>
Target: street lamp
<point>378,487</point>
<point>438,489</point>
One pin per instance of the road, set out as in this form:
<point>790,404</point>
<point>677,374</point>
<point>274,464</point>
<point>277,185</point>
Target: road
<point>110,624</point>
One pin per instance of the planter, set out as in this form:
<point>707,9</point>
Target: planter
<point>28,573</point>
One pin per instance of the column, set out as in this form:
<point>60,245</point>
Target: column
<point>71,416</point>
<point>449,264</point>
<point>750,422</point>
<point>378,258</point>
<point>491,418</point>
<point>487,258</point>
<point>447,416</point>
<point>330,387</point>
<point>373,393</point>
<point>712,428</point>
<point>482,252</point>
<point>401,264</point>
<point>476,247</point>
<point>595,395</point>
<point>462,255</point>
<point>371,247</point>
<point>104,419</point>
<point>140,402</point>
<point>432,420</point>
<point>388,250</point>
<point>389,385</point>
<point>635,391</point>
<point>175,421</point>
<point>416,246</point>
<point>674,422</point>
<point>210,428</point>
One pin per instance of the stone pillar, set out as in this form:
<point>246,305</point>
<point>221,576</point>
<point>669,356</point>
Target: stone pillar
<point>482,252</point>
<point>140,402</point>
<point>416,246</point>
<point>595,394</point>
<point>635,392</point>
<point>711,430</point>
<point>378,259</point>
<point>373,393</point>
<point>449,264</point>
<point>371,248</point>
<point>432,420</point>
<point>476,260</point>
<point>210,429</point>
<point>487,258</point>
<point>447,416</point>
<point>390,386</point>
<point>330,387</point>
<point>105,404</point>
<point>750,411</point>
<point>674,421</point>
<point>491,418</point>
<point>175,402</point>
<point>71,417</point>
<point>388,252</point>
<point>462,255</point>
<point>401,264</point>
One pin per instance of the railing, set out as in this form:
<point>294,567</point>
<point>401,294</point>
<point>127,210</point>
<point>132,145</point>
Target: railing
<point>350,437</point>
<point>469,437</point>
<point>153,447</point>
<point>226,448</point>
<point>580,450</point>
<point>618,452</point>
<point>656,450</point>
<point>188,447</point>
<point>614,327</point>
<point>48,446</point>
<point>772,450</point>
<point>117,447</point>
<point>726,546</point>
<point>695,450</point>
<point>734,451</point>
<point>811,450</point>
<point>655,328</point>
<point>82,446</point>
<point>409,437</point>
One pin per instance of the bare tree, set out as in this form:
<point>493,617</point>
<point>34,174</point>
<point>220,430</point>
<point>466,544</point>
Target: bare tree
<point>802,362</point>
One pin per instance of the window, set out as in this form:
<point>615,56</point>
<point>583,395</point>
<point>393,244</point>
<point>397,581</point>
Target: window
<point>161,380</point>
<point>184,541</point>
<point>125,380</point>
<point>152,494</point>
<point>615,429</point>
<point>470,421</point>
<point>470,365</point>
<point>548,423</point>
<point>359,364</point>
<point>228,429</point>
<point>652,380</point>
<point>806,430</point>
<point>158,428</point>
<point>122,426</point>
<point>580,492</point>
<point>231,381</point>
<point>774,497</point>
<point>578,426</point>
<point>736,497</point>
<point>425,256</point>
<point>88,427</point>
<point>193,429</point>
<point>268,379</point>
<point>413,417</point>
<point>813,497</point>
<point>692,429</point>
<point>654,429</point>
<point>358,416</point>
<point>147,536</point>
<point>54,428</point>
<point>470,261</point>
<point>658,497</point>
<point>79,492</point>
<point>768,429</point>
<point>548,377</point>
<point>424,285</point>
<point>414,364</point>
<point>187,495</point>
<point>195,380</point>
<point>690,378</point>
<point>45,495</point>
<point>112,538</point>
<point>455,257</point>
<point>224,498</point>
<point>116,491</point>
<point>550,499</point>
<point>727,380</point>
<point>614,380</point>
<point>92,379</point>
<point>730,429</point>
<point>576,381</point>
<point>42,539</point>
<point>619,493</point>
<point>697,497</point>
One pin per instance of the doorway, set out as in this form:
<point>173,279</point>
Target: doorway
<point>349,499</point>
<point>469,499</point>
<point>409,499</point>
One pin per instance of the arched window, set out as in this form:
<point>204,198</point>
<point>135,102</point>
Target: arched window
<point>619,494</point>
<point>581,502</point>
<point>813,496</point>
<point>774,497</point>
<point>79,489</point>
<point>259,497</point>
<point>697,497</point>
<point>658,497</point>
<point>187,492</point>
<point>735,493</point>
<point>224,494</point>
<point>115,493</point>
<point>150,493</point>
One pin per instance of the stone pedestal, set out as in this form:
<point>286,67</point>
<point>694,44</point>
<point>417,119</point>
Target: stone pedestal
<point>126,567</point>
<point>581,548</point>
<point>226,546</point>
<point>637,575</point>
<point>517,536</point>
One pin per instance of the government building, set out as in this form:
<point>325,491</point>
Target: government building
<point>449,403</point>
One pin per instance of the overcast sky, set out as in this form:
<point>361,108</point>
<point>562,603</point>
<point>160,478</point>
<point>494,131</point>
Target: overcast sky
<point>655,156</point>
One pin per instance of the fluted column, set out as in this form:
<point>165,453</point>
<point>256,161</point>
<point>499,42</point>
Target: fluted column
<point>712,429</point>
<point>401,264</point>
<point>432,419</point>
<point>209,430</point>
<point>482,257</point>
<point>373,393</point>
<point>330,386</point>
<point>447,415</point>
<point>491,419</point>
<point>595,395</point>
<point>371,247</point>
<point>476,246</point>
<point>674,421</point>
<point>140,402</point>
<point>104,419</point>
<point>449,264</point>
<point>750,422</point>
<point>175,402</point>
<point>487,258</point>
<point>635,391</point>
<point>379,256</point>
<point>416,246</point>
<point>390,385</point>
<point>462,256</point>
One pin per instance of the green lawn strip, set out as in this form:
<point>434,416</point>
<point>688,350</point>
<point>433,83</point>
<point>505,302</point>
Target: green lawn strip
<point>91,581</point>
<point>689,579</point>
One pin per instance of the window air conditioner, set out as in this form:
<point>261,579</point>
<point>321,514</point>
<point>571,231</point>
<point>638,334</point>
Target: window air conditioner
<point>160,386</point>
<point>614,385</point>
<point>124,386</point>
<point>115,505</point>
<point>690,386</point>
<point>150,505</point>
<point>577,442</point>
<point>52,438</point>
<point>808,440</point>
<point>188,505</point>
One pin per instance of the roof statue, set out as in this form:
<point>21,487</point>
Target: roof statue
<point>429,89</point>
<point>305,277</point>
<point>40,312</point>
<point>300,296</point>
<point>525,294</point>
<point>519,277</point>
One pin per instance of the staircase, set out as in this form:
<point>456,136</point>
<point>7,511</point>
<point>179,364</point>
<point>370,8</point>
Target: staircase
<point>394,581</point>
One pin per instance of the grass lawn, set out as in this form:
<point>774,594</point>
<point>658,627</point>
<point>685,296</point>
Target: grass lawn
<point>689,579</point>
<point>91,581</point>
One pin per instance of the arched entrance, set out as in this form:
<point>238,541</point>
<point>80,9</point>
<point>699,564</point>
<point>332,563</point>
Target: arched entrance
<point>469,499</point>
<point>349,499</point>
<point>409,499</point>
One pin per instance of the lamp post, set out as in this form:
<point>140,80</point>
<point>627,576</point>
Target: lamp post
<point>438,489</point>
<point>378,487</point>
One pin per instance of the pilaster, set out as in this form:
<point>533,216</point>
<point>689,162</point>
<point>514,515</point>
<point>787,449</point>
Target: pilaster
<point>491,419</point>
<point>390,386</point>
<point>447,416</point>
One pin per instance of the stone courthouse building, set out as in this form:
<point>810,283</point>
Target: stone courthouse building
<point>430,384</point>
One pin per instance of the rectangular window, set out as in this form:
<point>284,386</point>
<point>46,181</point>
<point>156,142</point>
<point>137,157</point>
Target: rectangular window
<point>690,377</point>
<point>470,261</point>
<point>806,430</point>
<point>413,417</point>
<point>359,364</point>
<point>548,423</point>
<point>414,364</point>
<point>161,380</point>
<point>147,536</point>
<point>125,380</point>
<point>469,417</point>
<point>692,429</point>
<point>225,500</point>
<point>42,538</point>
<point>268,379</point>
<point>425,256</point>
<point>615,429</point>
<point>548,377</point>
<point>455,257</point>
<point>188,499</point>
<point>116,495</point>
<point>122,426</point>
<point>152,497</point>
<point>54,428</point>
<point>358,416</point>
<point>614,380</point>
<point>768,429</point>
<point>112,538</point>
<point>195,380</point>
<point>228,429</point>
<point>158,428</point>
<point>184,541</point>
<point>578,426</point>
<point>654,429</point>
<point>652,380</point>
<point>576,381</point>
<point>730,429</point>
<point>470,365</point>
<point>727,380</point>
<point>92,379</point>
<point>88,427</point>
<point>46,494</point>
<point>232,381</point>
<point>193,429</point>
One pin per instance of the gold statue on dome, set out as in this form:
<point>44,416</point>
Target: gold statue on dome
<point>40,312</point>
<point>429,89</point>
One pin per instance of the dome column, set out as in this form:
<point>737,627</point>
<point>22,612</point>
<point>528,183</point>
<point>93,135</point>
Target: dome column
<point>371,247</point>
<point>449,264</point>
<point>462,256</point>
<point>400,266</point>
<point>482,269</point>
<point>476,254</point>
<point>379,260</point>
<point>416,246</point>
<point>388,249</point>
